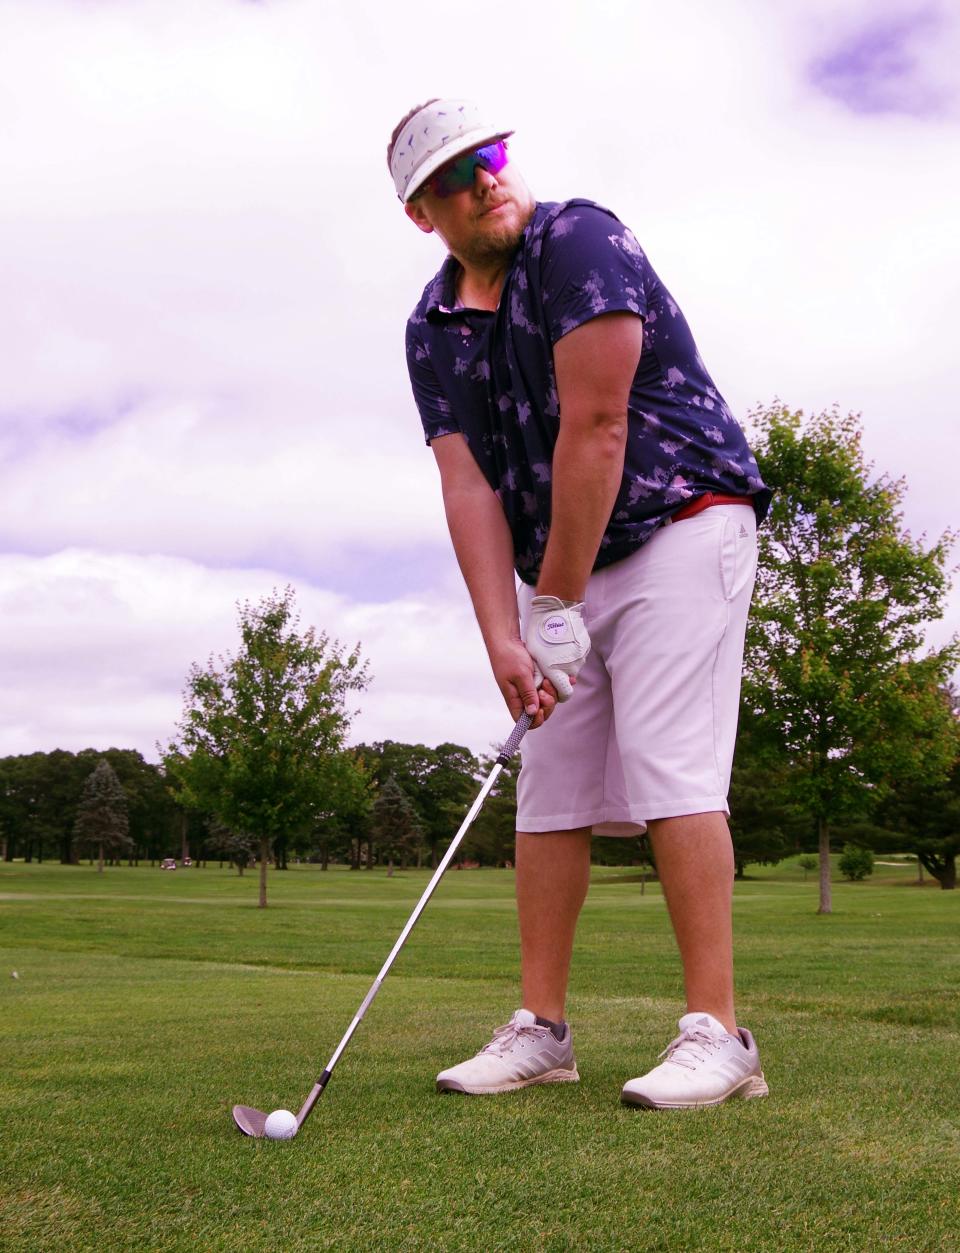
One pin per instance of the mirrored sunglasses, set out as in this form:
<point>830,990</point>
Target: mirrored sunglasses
<point>458,175</point>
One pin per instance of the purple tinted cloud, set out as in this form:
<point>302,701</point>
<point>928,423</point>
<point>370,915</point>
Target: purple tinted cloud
<point>879,67</point>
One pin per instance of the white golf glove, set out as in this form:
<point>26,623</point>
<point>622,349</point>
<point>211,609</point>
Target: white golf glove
<point>557,640</point>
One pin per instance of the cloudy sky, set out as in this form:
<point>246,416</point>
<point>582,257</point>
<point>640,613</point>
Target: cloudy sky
<point>204,279</point>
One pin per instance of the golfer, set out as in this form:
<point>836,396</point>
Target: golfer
<point>583,447</point>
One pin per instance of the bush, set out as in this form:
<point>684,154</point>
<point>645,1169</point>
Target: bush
<point>856,862</point>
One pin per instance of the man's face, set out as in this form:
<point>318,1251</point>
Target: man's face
<point>481,224</point>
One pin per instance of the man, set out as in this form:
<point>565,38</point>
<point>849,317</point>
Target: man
<point>582,445</point>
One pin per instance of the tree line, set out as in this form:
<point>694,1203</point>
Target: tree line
<point>848,735</point>
<point>119,808</point>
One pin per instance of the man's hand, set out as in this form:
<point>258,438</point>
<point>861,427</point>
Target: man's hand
<point>518,678</point>
<point>558,642</point>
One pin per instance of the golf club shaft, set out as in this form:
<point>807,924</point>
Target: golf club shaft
<point>509,748</point>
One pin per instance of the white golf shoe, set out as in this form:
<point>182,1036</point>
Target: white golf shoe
<point>521,1053</point>
<point>705,1065</point>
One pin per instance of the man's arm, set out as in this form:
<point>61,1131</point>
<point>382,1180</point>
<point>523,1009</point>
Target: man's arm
<point>595,366</point>
<point>484,547</point>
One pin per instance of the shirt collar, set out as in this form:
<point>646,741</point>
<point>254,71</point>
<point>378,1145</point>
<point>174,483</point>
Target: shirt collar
<point>442,291</point>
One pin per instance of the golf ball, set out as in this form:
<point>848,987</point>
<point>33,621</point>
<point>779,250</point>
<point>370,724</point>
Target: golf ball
<point>280,1125</point>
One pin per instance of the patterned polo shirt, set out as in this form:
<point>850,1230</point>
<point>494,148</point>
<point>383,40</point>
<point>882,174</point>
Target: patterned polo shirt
<point>490,377</point>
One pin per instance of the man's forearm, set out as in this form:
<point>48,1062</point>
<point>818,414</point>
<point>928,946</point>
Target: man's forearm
<point>587,473</point>
<point>484,547</point>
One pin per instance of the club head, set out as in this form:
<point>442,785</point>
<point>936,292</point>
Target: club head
<point>250,1121</point>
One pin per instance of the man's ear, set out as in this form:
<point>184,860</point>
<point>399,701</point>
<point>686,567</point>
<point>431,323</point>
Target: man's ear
<point>414,211</point>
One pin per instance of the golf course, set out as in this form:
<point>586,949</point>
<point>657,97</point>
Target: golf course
<point>139,1006</point>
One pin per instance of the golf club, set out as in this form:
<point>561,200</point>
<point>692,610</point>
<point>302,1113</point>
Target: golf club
<point>252,1122</point>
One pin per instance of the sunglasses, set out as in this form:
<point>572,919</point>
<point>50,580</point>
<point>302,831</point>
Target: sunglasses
<point>458,175</point>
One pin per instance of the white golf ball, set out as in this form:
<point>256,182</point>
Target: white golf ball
<point>280,1125</point>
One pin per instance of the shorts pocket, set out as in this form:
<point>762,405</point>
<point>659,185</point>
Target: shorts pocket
<point>738,555</point>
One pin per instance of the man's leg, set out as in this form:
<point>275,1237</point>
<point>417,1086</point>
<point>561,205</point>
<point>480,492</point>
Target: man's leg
<point>553,871</point>
<point>711,1060</point>
<point>694,858</point>
<point>552,876</point>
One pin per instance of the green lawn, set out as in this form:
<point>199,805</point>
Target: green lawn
<point>147,1003</point>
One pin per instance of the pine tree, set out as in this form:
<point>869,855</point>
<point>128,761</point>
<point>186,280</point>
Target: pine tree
<point>102,821</point>
<point>394,822</point>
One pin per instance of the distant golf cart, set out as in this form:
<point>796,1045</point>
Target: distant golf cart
<point>168,863</point>
<point>187,861</point>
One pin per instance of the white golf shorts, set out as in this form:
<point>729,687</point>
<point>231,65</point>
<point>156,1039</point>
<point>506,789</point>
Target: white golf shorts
<point>649,731</point>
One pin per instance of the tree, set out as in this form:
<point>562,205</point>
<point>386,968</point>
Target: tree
<point>833,671</point>
<point>765,826</point>
<point>439,783</point>
<point>926,816</point>
<point>856,862</point>
<point>40,793</point>
<point>261,739</point>
<point>348,796</point>
<point>155,822</point>
<point>238,849</point>
<point>102,820</point>
<point>807,863</point>
<point>492,838</point>
<point>394,822</point>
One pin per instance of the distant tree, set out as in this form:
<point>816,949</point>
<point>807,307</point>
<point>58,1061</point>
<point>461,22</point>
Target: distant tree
<point>448,792</point>
<point>492,838</point>
<point>832,668</point>
<point>237,849</point>
<point>39,794</point>
<point>807,863</point>
<point>156,822</point>
<point>348,797</point>
<point>926,817</point>
<point>765,825</point>
<point>261,738</point>
<point>438,782</point>
<point>394,822</point>
<point>856,862</point>
<point>101,820</point>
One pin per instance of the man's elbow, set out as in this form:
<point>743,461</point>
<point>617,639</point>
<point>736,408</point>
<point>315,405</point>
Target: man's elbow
<point>602,426</point>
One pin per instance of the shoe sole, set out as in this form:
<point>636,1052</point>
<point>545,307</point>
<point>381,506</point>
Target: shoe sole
<point>550,1076</point>
<point>751,1088</point>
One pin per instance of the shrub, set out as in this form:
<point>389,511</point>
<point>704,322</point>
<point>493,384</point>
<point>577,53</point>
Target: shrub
<point>856,862</point>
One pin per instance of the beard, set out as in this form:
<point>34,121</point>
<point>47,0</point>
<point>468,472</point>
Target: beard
<point>497,239</point>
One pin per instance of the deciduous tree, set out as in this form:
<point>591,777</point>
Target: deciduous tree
<point>261,740</point>
<point>765,825</point>
<point>926,815</point>
<point>834,670</point>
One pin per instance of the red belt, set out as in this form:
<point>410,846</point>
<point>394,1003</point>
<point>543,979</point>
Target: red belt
<point>705,501</point>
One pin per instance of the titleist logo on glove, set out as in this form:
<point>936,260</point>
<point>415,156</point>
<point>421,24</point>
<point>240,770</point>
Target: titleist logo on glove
<point>558,642</point>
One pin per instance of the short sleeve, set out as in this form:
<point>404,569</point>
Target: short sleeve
<point>591,264</point>
<point>435,411</point>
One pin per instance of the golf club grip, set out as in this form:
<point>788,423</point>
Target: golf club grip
<point>516,735</point>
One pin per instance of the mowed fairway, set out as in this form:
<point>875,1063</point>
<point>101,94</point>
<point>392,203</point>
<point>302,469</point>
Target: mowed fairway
<point>147,1003</point>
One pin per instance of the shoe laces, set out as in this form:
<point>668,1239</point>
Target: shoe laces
<point>505,1037</point>
<point>692,1047</point>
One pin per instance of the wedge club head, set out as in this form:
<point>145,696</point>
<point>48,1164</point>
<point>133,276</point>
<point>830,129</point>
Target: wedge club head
<point>250,1121</point>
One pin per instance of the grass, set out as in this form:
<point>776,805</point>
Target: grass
<point>147,1003</point>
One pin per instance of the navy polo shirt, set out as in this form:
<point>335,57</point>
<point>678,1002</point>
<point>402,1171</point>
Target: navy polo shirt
<point>490,377</point>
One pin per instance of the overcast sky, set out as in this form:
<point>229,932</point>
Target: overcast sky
<point>205,275</point>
